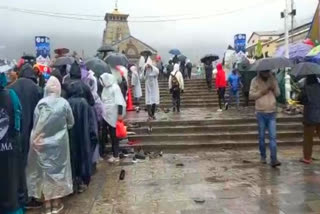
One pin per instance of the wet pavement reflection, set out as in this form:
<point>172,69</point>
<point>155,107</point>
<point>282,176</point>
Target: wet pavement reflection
<point>204,182</point>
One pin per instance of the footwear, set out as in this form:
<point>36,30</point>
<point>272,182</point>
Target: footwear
<point>134,160</point>
<point>82,188</point>
<point>275,164</point>
<point>34,204</point>
<point>113,160</point>
<point>178,110</point>
<point>263,161</point>
<point>219,110</point>
<point>174,109</point>
<point>302,160</point>
<point>226,106</point>
<point>154,118</point>
<point>57,208</point>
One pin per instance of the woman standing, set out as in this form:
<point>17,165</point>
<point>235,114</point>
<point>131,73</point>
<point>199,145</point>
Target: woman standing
<point>49,175</point>
<point>150,75</point>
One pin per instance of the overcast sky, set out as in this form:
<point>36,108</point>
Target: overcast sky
<point>222,19</point>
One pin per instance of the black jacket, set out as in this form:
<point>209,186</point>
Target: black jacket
<point>10,149</point>
<point>311,100</point>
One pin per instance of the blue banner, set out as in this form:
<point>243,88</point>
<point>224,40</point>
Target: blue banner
<point>42,46</point>
<point>240,41</point>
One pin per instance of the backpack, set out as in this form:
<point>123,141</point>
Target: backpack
<point>174,81</point>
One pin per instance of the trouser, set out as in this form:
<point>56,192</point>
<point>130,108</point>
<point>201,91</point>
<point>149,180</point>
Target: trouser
<point>151,110</point>
<point>209,83</point>
<point>176,99</point>
<point>221,92</point>
<point>309,131</point>
<point>267,121</point>
<point>234,94</point>
<point>137,101</point>
<point>246,98</point>
<point>189,73</point>
<point>112,134</point>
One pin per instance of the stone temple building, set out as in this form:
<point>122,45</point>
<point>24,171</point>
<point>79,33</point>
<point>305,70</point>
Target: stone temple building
<point>117,33</point>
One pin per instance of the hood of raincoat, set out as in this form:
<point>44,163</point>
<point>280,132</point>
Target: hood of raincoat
<point>107,80</point>
<point>53,87</point>
<point>75,90</point>
<point>176,68</point>
<point>28,72</point>
<point>134,69</point>
<point>149,61</point>
<point>75,71</point>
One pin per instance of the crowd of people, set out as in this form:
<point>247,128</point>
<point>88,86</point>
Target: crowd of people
<point>54,132</point>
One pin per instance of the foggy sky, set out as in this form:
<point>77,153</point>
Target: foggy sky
<point>194,38</point>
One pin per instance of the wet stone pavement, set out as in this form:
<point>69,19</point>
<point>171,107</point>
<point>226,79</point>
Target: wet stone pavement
<point>204,182</point>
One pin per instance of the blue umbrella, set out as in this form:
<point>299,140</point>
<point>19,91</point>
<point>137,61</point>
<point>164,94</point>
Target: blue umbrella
<point>297,51</point>
<point>315,59</point>
<point>175,52</point>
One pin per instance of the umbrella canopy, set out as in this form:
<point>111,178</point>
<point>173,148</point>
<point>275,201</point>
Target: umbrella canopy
<point>306,69</point>
<point>28,57</point>
<point>146,53</point>
<point>106,48</point>
<point>64,60</point>
<point>175,52</point>
<point>182,58</point>
<point>98,66</point>
<point>271,63</point>
<point>115,59</point>
<point>5,68</point>
<point>297,51</point>
<point>315,59</point>
<point>209,57</point>
<point>314,51</point>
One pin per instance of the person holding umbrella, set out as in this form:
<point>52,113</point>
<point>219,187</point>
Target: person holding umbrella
<point>150,75</point>
<point>311,101</point>
<point>208,69</point>
<point>264,90</point>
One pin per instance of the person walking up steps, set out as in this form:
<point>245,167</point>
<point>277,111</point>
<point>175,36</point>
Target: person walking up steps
<point>234,84</point>
<point>264,90</point>
<point>221,84</point>
<point>176,86</point>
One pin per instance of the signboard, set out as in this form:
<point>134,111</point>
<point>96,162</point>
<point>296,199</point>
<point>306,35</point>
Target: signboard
<point>240,41</point>
<point>42,49</point>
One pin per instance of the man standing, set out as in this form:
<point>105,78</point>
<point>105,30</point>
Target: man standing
<point>176,87</point>
<point>264,90</point>
<point>189,68</point>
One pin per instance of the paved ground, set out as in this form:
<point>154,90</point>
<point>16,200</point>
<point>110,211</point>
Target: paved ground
<point>221,181</point>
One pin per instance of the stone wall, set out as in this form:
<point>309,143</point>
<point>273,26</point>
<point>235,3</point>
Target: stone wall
<point>115,31</point>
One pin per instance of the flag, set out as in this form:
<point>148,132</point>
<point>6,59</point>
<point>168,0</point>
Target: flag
<point>314,33</point>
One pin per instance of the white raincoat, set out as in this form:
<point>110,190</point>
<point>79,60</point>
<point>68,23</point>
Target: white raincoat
<point>111,98</point>
<point>49,169</point>
<point>135,81</point>
<point>177,73</point>
<point>150,75</point>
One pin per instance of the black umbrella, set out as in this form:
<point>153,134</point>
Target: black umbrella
<point>106,48</point>
<point>182,58</point>
<point>267,64</point>
<point>306,69</point>
<point>209,57</point>
<point>64,60</point>
<point>146,53</point>
<point>115,59</point>
<point>28,57</point>
<point>61,51</point>
<point>98,66</point>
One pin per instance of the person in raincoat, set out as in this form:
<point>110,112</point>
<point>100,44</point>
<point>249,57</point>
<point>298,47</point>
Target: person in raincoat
<point>29,94</point>
<point>49,174</point>
<point>136,86</point>
<point>234,84</point>
<point>114,110</point>
<point>11,166</point>
<point>81,145</point>
<point>150,75</point>
<point>176,86</point>
<point>221,85</point>
<point>208,69</point>
<point>40,78</point>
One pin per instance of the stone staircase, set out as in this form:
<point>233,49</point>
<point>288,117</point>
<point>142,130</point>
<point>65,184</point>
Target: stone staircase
<point>199,125</point>
<point>196,94</point>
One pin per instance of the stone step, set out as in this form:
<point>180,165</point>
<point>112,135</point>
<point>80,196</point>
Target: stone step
<point>208,144</point>
<point>207,129</point>
<point>224,121</point>
<point>195,105</point>
<point>219,136</point>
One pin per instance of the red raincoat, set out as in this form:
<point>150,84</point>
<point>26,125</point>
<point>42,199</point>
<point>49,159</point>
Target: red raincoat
<point>221,81</point>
